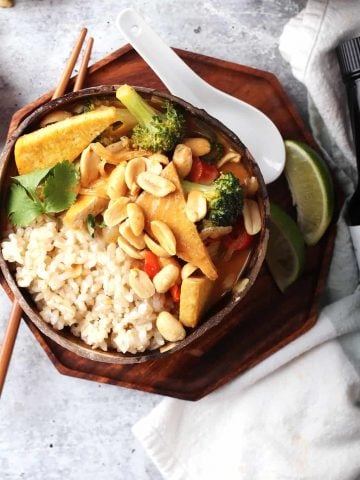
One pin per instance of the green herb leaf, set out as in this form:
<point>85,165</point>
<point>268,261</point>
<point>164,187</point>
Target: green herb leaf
<point>58,191</point>
<point>90,222</point>
<point>30,181</point>
<point>22,209</point>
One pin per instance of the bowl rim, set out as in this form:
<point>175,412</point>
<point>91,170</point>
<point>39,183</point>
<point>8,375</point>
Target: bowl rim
<point>79,347</point>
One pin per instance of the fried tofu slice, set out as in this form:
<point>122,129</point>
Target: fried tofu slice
<point>64,140</point>
<point>171,210</point>
<point>194,296</point>
<point>85,205</point>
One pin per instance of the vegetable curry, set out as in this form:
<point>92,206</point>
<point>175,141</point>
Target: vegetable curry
<point>168,188</point>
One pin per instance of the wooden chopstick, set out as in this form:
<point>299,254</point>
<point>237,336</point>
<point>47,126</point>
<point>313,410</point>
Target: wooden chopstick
<point>80,79</point>
<point>64,80</point>
<point>12,328</point>
<point>9,341</point>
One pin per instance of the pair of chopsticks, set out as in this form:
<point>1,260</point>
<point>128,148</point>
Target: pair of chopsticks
<point>15,316</point>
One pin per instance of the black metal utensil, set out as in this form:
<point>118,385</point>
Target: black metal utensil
<point>348,54</point>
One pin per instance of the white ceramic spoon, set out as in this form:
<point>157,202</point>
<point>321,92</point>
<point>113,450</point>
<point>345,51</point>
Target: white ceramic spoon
<point>254,129</point>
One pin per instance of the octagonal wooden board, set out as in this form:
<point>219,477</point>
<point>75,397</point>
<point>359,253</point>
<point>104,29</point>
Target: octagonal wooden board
<point>265,320</point>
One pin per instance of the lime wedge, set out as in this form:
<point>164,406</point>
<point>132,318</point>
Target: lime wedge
<point>285,254</point>
<point>311,188</point>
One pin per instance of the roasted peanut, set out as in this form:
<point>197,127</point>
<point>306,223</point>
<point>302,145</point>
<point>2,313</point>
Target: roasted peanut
<point>199,146</point>
<point>232,157</point>
<point>140,282</point>
<point>154,184</point>
<point>133,169</point>
<point>117,147</point>
<point>129,250</point>
<point>160,158</point>
<point>154,247</point>
<point>136,218</point>
<point>153,166</point>
<point>164,236</point>
<point>251,186</point>
<point>166,278</point>
<point>102,168</point>
<point>116,186</point>
<point>104,153</point>
<point>196,207</point>
<point>182,159</point>
<point>214,232</point>
<point>167,260</point>
<point>167,347</point>
<point>136,241</point>
<point>54,117</point>
<point>187,270</point>
<point>170,327</point>
<point>252,217</point>
<point>110,234</point>
<point>116,211</point>
<point>89,162</point>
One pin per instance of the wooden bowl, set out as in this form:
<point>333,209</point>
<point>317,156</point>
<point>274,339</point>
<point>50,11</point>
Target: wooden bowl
<point>213,318</point>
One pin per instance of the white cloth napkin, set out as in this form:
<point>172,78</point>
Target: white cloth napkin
<point>296,415</point>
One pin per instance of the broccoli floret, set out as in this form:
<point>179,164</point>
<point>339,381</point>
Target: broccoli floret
<point>224,197</point>
<point>156,131</point>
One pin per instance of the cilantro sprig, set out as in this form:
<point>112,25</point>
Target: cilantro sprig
<point>92,223</point>
<point>50,190</point>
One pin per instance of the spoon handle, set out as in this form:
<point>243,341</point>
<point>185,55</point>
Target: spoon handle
<point>174,73</point>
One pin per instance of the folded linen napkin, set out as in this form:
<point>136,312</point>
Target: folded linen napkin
<point>297,414</point>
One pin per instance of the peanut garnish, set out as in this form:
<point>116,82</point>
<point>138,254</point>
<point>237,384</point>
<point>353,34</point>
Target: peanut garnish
<point>133,169</point>
<point>214,232</point>
<point>231,156</point>
<point>166,278</point>
<point>170,327</point>
<point>182,159</point>
<point>116,211</point>
<point>252,217</point>
<point>89,162</point>
<point>154,247</point>
<point>154,184</point>
<point>199,146</point>
<point>116,186</point>
<point>160,158</point>
<point>196,207</point>
<point>136,241</point>
<point>153,166</point>
<point>141,284</point>
<point>251,186</point>
<point>164,236</point>
<point>129,250</point>
<point>136,218</point>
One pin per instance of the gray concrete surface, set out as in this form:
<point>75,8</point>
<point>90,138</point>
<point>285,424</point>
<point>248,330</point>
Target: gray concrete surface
<point>54,427</point>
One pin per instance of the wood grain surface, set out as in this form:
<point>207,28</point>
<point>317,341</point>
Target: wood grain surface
<point>265,320</point>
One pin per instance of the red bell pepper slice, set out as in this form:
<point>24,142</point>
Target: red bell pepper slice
<point>175,293</point>
<point>202,172</point>
<point>151,264</point>
<point>238,238</point>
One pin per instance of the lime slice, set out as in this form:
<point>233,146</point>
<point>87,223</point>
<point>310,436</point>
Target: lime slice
<point>285,254</point>
<point>311,188</point>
